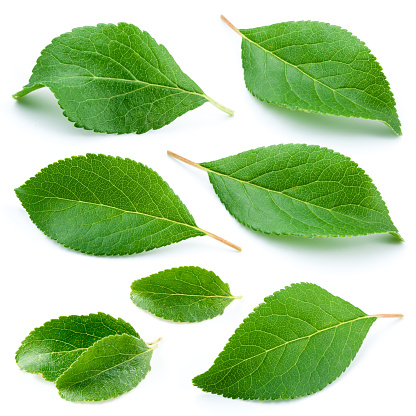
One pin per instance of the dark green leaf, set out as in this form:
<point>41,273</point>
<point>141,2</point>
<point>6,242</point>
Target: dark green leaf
<point>53,347</point>
<point>296,189</point>
<point>316,67</point>
<point>294,344</point>
<point>106,206</point>
<point>183,294</point>
<point>115,79</point>
<point>89,357</point>
<point>112,366</point>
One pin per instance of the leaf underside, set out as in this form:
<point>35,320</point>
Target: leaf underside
<point>300,190</point>
<point>89,357</point>
<point>319,68</point>
<point>103,205</point>
<point>183,294</point>
<point>114,79</point>
<point>294,344</point>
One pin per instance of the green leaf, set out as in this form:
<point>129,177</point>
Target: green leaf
<point>106,206</point>
<point>301,190</point>
<point>89,357</point>
<point>183,294</point>
<point>112,366</point>
<point>115,79</point>
<point>294,344</point>
<point>316,67</point>
<point>52,348</point>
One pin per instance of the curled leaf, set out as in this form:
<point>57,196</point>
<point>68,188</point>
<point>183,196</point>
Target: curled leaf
<point>115,79</point>
<point>316,67</point>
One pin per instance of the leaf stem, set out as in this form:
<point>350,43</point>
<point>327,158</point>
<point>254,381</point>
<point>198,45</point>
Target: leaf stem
<point>388,315</point>
<point>215,237</point>
<point>153,345</point>
<point>196,165</point>
<point>218,105</point>
<point>224,19</point>
<point>189,162</point>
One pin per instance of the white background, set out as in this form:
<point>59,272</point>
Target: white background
<point>43,280</point>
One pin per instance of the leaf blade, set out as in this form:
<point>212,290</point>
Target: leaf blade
<point>53,347</point>
<point>115,79</point>
<point>112,366</point>
<point>316,67</point>
<point>106,206</point>
<point>302,190</point>
<point>278,351</point>
<point>183,294</point>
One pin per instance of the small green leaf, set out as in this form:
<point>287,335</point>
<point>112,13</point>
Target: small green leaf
<point>316,67</point>
<point>115,79</point>
<point>294,344</point>
<point>301,190</point>
<point>107,206</point>
<point>50,349</point>
<point>112,366</point>
<point>89,357</point>
<point>183,294</point>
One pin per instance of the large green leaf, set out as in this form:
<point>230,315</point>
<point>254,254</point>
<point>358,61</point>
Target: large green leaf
<point>316,67</point>
<point>294,344</point>
<point>115,79</point>
<point>50,349</point>
<point>183,294</point>
<point>106,206</point>
<point>89,357</point>
<point>112,366</point>
<point>301,190</point>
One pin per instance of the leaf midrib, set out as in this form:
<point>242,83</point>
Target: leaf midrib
<point>295,340</point>
<point>119,209</point>
<point>291,197</point>
<point>107,369</point>
<point>182,294</point>
<point>135,81</point>
<point>305,73</point>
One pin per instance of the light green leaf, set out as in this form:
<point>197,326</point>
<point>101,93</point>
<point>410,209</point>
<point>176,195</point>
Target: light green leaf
<point>53,347</point>
<point>294,344</point>
<point>183,294</point>
<point>112,366</point>
<point>301,190</point>
<point>316,67</point>
<point>89,357</point>
<point>106,206</point>
<point>115,79</point>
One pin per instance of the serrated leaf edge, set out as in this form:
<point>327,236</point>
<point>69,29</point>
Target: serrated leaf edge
<point>31,333</point>
<point>291,107</point>
<point>394,232</point>
<point>32,87</point>
<point>150,349</point>
<point>159,315</point>
<point>265,301</point>
<point>196,228</point>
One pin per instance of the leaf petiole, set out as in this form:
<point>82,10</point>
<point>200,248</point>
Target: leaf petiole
<point>154,344</point>
<point>183,159</point>
<point>388,315</point>
<point>219,106</point>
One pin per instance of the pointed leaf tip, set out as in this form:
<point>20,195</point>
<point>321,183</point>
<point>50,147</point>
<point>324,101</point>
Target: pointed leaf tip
<point>293,64</point>
<point>294,344</point>
<point>117,89</point>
